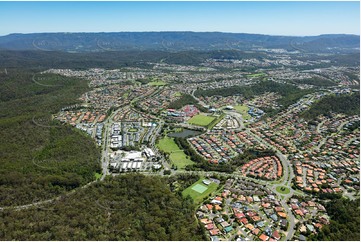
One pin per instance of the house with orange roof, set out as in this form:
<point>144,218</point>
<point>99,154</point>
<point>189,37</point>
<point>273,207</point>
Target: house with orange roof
<point>209,206</point>
<point>217,207</point>
<point>299,212</point>
<point>255,231</point>
<point>263,237</point>
<point>205,221</point>
<point>256,218</point>
<point>249,226</point>
<point>214,232</point>
<point>282,214</point>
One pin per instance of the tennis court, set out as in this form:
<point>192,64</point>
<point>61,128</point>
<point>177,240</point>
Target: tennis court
<point>199,188</point>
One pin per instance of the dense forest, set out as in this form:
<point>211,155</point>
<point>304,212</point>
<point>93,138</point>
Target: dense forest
<point>346,104</point>
<point>129,207</point>
<point>345,221</point>
<point>182,101</point>
<point>40,158</point>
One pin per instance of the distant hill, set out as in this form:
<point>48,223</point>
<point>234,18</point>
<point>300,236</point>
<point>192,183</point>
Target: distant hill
<point>173,41</point>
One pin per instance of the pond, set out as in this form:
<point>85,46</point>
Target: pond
<point>185,133</point>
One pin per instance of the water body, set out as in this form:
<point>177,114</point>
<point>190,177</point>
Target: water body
<point>185,133</point>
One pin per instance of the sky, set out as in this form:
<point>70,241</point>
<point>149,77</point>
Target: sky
<point>274,18</point>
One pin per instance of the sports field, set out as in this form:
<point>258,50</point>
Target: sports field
<point>198,191</point>
<point>177,156</point>
<point>199,188</point>
<point>201,120</point>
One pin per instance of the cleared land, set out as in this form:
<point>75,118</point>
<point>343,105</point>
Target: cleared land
<point>177,156</point>
<point>201,120</point>
<point>195,193</point>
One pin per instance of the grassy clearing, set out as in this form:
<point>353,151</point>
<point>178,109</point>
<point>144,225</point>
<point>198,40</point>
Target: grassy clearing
<point>157,83</point>
<point>201,120</point>
<point>97,176</point>
<point>180,159</point>
<point>243,109</point>
<point>178,94</point>
<point>176,155</point>
<point>196,196</point>
<point>132,130</point>
<point>283,189</point>
<point>256,75</point>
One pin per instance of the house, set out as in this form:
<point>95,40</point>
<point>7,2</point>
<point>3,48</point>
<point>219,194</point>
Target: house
<point>303,228</point>
<point>228,229</point>
<point>282,214</point>
<point>250,227</point>
<point>214,232</point>
<point>239,215</point>
<point>263,237</point>
<point>310,227</point>
<point>276,235</point>
<point>255,231</point>
<point>205,221</point>
<point>217,207</point>
<point>225,224</point>
<point>214,238</point>
<point>244,220</point>
<point>283,223</point>
<point>209,226</point>
<point>260,224</point>
<point>279,209</point>
<point>209,206</point>
<point>256,218</point>
<point>274,217</point>
<point>219,220</point>
<point>302,238</point>
<point>318,226</point>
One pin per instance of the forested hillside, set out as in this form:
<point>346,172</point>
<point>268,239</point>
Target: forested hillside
<point>39,158</point>
<point>345,221</point>
<point>346,104</point>
<point>129,207</point>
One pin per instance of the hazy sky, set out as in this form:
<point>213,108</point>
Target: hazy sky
<point>276,18</point>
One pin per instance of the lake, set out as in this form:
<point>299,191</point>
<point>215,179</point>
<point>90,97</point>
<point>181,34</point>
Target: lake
<point>185,133</point>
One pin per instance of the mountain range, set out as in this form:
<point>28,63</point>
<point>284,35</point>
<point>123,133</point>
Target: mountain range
<point>174,41</point>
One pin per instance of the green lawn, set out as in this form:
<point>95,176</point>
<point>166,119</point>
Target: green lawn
<point>177,156</point>
<point>283,189</point>
<point>97,175</point>
<point>256,75</point>
<point>198,197</point>
<point>132,130</point>
<point>157,83</point>
<point>243,109</point>
<point>178,94</point>
<point>201,120</point>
